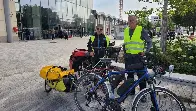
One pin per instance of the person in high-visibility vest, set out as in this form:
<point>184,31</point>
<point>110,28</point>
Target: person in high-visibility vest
<point>98,40</point>
<point>135,38</point>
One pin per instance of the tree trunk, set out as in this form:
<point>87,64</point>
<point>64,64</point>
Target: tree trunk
<point>164,27</point>
<point>189,28</point>
<point>194,29</point>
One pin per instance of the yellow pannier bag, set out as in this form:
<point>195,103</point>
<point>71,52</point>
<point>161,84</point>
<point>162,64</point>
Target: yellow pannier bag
<point>58,85</point>
<point>50,72</point>
<point>54,72</point>
<point>55,75</point>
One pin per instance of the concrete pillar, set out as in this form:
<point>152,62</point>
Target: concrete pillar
<point>99,17</point>
<point>110,26</point>
<point>96,22</point>
<point>8,21</point>
<point>104,25</point>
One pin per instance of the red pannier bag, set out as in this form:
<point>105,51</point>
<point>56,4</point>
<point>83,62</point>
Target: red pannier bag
<point>76,54</point>
<point>79,52</point>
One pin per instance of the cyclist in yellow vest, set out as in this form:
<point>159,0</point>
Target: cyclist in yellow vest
<point>98,40</point>
<point>135,38</point>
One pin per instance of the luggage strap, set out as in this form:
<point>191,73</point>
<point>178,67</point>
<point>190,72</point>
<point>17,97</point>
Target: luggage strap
<point>50,80</point>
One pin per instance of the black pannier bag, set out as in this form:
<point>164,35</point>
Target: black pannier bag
<point>115,80</point>
<point>125,86</point>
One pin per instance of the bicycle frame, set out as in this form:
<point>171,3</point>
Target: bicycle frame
<point>124,96</point>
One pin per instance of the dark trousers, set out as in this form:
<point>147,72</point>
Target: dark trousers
<point>134,59</point>
<point>53,36</point>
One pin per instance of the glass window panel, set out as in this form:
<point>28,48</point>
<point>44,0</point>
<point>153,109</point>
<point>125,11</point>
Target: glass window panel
<point>44,3</point>
<point>52,5</point>
<point>17,6</point>
<point>54,13</point>
<point>44,16</point>
<point>35,2</point>
<point>58,5</point>
<point>48,14</point>
<point>36,19</point>
<point>24,2</point>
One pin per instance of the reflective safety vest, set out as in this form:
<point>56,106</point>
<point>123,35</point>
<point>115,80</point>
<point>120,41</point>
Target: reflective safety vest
<point>107,40</point>
<point>134,44</point>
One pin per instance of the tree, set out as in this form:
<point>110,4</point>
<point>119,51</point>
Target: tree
<point>142,16</point>
<point>186,20</point>
<point>77,20</point>
<point>91,24</point>
<point>182,6</point>
<point>158,24</point>
<point>164,27</point>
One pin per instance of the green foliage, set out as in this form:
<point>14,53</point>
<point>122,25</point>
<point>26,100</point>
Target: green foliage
<point>185,20</point>
<point>181,53</point>
<point>77,20</point>
<point>140,13</point>
<point>183,6</point>
<point>142,17</point>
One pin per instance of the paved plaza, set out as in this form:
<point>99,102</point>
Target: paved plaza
<point>21,88</point>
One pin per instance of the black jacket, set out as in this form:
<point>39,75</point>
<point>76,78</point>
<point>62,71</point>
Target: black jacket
<point>99,41</point>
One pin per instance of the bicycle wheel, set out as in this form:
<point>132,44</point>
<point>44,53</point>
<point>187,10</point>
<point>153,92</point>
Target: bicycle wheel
<point>138,103</point>
<point>84,98</point>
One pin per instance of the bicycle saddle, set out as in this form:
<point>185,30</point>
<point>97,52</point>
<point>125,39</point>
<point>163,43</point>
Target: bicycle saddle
<point>108,60</point>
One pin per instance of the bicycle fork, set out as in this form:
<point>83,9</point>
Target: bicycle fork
<point>153,99</point>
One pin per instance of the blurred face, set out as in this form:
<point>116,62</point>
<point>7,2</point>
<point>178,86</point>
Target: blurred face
<point>99,30</point>
<point>132,20</point>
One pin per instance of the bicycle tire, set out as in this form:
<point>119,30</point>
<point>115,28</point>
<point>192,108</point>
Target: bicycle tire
<point>157,89</point>
<point>104,88</point>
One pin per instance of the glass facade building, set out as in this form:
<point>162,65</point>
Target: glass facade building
<point>41,16</point>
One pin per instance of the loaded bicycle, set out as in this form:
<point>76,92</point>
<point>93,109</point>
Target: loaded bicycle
<point>82,62</point>
<point>98,92</point>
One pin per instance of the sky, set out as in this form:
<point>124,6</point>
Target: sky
<point>111,7</point>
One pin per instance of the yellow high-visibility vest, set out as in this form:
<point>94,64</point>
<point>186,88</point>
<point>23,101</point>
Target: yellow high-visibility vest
<point>134,44</point>
<point>107,40</point>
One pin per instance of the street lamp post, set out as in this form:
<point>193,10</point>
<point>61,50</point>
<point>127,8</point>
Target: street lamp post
<point>83,28</point>
<point>80,30</point>
<point>21,25</point>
